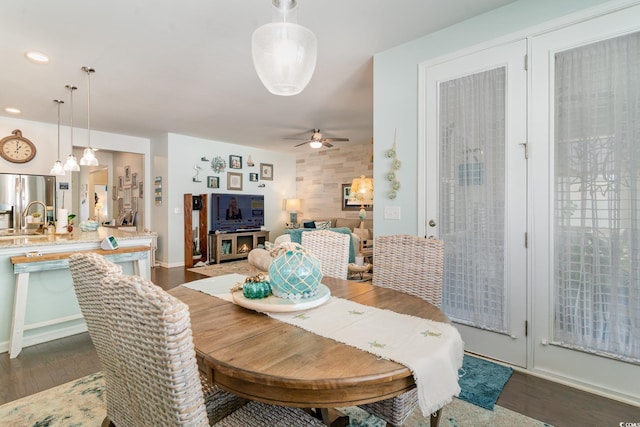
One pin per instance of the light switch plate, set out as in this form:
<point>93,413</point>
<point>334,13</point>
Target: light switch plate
<point>392,212</point>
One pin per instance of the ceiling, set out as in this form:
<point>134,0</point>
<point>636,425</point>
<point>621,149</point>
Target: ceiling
<point>185,66</point>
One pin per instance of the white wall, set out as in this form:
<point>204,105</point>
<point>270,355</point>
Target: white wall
<point>45,138</point>
<point>181,154</point>
<point>396,95</point>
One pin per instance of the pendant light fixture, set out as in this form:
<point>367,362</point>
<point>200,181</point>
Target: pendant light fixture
<point>284,53</point>
<point>89,157</point>
<point>57,168</point>
<point>72,162</point>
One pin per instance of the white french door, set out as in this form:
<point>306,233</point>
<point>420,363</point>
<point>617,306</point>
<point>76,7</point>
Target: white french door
<point>585,210</point>
<point>476,194</point>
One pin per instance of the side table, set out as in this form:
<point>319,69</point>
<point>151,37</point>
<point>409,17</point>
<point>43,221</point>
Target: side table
<point>358,269</point>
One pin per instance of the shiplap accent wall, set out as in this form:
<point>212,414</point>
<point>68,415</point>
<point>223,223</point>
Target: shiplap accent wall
<point>321,173</point>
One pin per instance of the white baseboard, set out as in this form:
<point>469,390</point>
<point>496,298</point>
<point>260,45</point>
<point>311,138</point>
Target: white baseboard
<point>47,336</point>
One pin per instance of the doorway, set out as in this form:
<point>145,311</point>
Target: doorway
<point>476,198</point>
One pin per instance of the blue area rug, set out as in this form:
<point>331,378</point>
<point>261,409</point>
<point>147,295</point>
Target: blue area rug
<point>482,381</point>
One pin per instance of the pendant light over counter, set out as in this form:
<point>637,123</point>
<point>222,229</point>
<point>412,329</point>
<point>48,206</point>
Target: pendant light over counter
<point>89,157</point>
<point>284,53</point>
<point>72,162</point>
<point>57,168</point>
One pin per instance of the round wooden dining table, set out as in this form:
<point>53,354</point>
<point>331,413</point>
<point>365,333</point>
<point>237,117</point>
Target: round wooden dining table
<point>255,356</point>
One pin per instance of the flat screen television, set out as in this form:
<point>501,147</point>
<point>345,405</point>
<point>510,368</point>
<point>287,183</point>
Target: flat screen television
<point>236,212</point>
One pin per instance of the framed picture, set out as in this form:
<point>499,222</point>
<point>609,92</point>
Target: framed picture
<point>253,177</point>
<point>134,180</point>
<point>213,182</point>
<point>234,181</point>
<point>140,190</point>
<point>235,162</point>
<point>157,191</point>
<point>266,172</point>
<point>120,207</point>
<point>127,197</point>
<point>120,183</point>
<point>346,192</point>
<point>127,173</point>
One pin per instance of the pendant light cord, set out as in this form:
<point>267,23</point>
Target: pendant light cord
<point>71,89</point>
<point>58,101</point>
<point>88,70</point>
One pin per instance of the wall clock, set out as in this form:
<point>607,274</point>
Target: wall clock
<point>16,148</point>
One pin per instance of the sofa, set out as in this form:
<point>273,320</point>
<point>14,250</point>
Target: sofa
<point>261,258</point>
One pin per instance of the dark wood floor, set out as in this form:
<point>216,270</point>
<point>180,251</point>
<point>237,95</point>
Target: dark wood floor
<point>43,366</point>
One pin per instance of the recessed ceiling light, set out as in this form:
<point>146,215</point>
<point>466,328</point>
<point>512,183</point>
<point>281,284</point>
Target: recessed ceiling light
<point>12,110</point>
<point>37,57</point>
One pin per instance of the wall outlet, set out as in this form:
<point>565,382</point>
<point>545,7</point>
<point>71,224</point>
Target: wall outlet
<point>177,210</point>
<point>392,212</point>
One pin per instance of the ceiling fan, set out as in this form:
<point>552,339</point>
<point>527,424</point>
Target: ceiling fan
<point>317,141</point>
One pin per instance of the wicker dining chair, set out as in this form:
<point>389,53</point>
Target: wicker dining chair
<point>331,248</point>
<point>413,265</point>
<point>87,271</point>
<point>151,331</point>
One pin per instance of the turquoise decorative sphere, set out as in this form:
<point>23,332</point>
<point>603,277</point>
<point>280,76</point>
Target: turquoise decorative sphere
<point>256,290</point>
<point>295,274</point>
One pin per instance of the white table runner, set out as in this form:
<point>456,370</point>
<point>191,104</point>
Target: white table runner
<point>432,350</point>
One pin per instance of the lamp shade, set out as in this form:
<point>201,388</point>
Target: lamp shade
<point>292,205</point>
<point>284,53</point>
<point>361,191</point>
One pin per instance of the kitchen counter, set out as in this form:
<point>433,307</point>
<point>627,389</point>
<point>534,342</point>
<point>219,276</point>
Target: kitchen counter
<point>77,237</point>
<point>50,295</point>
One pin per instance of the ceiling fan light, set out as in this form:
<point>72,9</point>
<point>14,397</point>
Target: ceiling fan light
<point>315,144</point>
<point>284,54</point>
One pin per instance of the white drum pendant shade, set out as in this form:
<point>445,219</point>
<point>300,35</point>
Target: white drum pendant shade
<point>284,56</point>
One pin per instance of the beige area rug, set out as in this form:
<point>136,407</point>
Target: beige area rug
<point>243,267</point>
<point>229,267</point>
<point>80,403</point>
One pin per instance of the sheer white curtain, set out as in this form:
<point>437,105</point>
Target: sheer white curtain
<point>472,197</point>
<point>597,198</point>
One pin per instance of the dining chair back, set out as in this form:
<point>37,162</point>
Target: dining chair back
<point>331,248</point>
<point>410,264</point>
<point>88,270</point>
<point>413,265</point>
<point>152,331</point>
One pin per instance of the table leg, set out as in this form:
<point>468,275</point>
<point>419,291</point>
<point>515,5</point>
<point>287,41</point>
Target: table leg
<point>332,417</point>
<point>19,312</point>
<point>435,418</point>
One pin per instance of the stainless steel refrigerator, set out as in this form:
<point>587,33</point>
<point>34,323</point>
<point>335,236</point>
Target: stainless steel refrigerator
<point>17,191</point>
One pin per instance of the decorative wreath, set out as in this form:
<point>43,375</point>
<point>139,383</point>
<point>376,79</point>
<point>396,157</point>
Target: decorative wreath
<point>218,164</point>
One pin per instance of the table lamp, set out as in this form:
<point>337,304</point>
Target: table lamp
<point>293,206</point>
<point>361,194</point>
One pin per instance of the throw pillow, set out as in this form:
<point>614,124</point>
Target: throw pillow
<point>323,225</point>
<point>309,224</point>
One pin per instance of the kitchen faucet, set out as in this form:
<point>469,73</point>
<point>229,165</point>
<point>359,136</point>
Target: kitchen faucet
<point>44,224</point>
